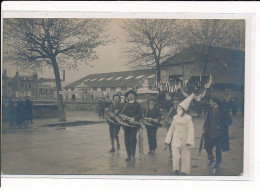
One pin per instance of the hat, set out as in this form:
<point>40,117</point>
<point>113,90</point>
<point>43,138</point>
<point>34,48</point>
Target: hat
<point>131,91</point>
<point>186,103</point>
<point>117,95</point>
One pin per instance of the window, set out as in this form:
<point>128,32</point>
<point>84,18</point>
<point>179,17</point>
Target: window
<point>94,89</point>
<point>129,77</point>
<point>22,86</point>
<point>110,78</point>
<point>103,89</point>
<point>151,76</point>
<point>139,76</point>
<point>30,85</point>
<point>118,78</point>
<point>123,88</point>
<point>113,88</point>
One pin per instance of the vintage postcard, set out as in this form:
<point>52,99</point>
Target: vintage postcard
<point>104,95</point>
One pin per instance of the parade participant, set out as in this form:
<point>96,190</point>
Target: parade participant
<point>152,114</point>
<point>181,137</point>
<point>28,111</point>
<point>115,108</point>
<point>215,131</point>
<point>133,110</point>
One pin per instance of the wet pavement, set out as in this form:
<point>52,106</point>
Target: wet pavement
<point>83,150</point>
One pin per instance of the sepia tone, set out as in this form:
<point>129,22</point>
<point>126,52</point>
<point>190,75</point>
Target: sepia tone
<point>61,79</point>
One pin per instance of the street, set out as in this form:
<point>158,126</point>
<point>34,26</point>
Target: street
<point>83,150</point>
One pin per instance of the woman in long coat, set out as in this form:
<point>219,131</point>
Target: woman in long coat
<point>181,137</point>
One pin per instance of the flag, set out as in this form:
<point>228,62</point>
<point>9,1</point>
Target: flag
<point>207,85</point>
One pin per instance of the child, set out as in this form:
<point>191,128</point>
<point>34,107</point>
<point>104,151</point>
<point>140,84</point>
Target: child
<point>181,133</point>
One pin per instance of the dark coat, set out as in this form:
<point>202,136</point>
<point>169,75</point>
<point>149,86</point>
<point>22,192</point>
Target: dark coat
<point>133,110</point>
<point>212,123</point>
<point>224,126</point>
<point>28,110</point>
<point>153,113</point>
<point>216,125</point>
<point>116,108</point>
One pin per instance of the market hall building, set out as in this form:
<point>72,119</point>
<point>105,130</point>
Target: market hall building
<point>226,67</point>
<point>107,84</point>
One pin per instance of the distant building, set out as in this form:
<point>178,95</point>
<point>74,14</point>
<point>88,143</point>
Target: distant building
<point>226,66</point>
<point>103,84</point>
<point>22,86</point>
<point>25,85</point>
<point>46,88</point>
<point>6,85</point>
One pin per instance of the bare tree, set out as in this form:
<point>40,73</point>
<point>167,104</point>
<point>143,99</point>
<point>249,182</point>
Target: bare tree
<point>33,44</point>
<point>202,35</point>
<point>149,42</point>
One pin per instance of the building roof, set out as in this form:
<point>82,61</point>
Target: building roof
<point>47,80</point>
<point>230,57</point>
<point>226,66</point>
<point>116,79</point>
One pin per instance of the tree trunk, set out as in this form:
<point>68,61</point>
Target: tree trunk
<point>158,75</point>
<point>205,67</point>
<point>58,86</point>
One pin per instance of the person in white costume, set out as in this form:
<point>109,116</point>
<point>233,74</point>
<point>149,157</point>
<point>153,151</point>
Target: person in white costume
<point>181,133</point>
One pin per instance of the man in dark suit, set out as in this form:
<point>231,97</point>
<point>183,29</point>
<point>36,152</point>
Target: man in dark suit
<point>134,111</point>
<point>152,113</point>
<point>215,131</point>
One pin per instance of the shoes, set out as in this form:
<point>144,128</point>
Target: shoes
<point>176,172</point>
<point>118,147</point>
<point>216,165</point>
<point>128,159</point>
<point>112,150</point>
<point>151,152</point>
<point>210,162</point>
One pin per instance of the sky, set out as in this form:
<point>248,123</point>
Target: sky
<point>110,59</point>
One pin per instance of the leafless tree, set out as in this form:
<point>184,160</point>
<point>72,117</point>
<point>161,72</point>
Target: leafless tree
<point>149,42</point>
<point>34,44</point>
<point>202,35</point>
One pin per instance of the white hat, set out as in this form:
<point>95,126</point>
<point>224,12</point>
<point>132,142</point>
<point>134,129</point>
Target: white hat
<point>186,103</point>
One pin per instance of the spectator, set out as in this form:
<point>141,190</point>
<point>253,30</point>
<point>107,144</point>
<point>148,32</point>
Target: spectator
<point>11,113</point>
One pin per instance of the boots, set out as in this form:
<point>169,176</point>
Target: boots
<point>113,146</point>
<point>112,150</point>
<point>128,159</point>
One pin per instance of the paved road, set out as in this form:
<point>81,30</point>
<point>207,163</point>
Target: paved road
<point>84,150</point>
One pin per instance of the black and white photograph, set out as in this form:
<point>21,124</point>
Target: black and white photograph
<point>123,96</point>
